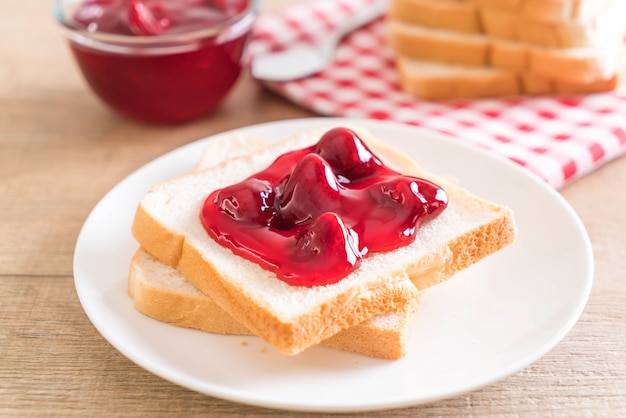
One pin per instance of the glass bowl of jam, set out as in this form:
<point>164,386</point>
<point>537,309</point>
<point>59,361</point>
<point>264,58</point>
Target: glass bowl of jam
<point>159,61</point>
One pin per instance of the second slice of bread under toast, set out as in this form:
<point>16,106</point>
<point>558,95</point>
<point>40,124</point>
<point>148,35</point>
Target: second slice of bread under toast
<point>162,293</point>
<point>292,318</point>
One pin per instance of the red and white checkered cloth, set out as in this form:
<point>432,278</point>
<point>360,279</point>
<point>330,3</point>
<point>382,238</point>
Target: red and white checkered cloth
<point>558,138</point>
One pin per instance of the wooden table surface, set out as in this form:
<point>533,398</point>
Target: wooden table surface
<point>61,150</point>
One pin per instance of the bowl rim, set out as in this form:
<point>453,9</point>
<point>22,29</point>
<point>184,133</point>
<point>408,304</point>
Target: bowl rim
<point>221,32</point>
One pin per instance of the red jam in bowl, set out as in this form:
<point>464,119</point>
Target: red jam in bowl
<point>312,215</point>
<point>159,61</point>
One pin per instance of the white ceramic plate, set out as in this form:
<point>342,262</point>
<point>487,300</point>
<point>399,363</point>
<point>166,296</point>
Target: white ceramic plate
<point>484,324</point>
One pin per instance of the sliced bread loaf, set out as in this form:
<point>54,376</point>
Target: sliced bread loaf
<point>570,65</point>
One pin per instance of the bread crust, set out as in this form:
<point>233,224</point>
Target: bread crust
<point>177,308</point>
<point>341,312</point>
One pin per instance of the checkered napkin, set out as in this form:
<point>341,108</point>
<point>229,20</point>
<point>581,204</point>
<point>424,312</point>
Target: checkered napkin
<point>559,138</point>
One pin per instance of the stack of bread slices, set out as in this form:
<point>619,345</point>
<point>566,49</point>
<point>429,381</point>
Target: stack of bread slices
<point>181,276</point>
<point>449,49</point>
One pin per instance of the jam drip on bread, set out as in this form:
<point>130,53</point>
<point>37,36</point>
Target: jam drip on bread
<point>312,215</point>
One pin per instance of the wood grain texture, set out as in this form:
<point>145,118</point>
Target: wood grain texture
<point>61,151</point>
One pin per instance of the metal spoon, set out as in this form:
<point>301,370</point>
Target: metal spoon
<point>299,62</point>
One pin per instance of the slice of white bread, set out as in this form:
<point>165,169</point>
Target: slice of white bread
<point>292,318</point>
<point>530,22</point>
<point>590,32</point>
<point>459,16</point>
<point>571,65</point>
<point>434,44</point>
<point>431,80</point>
<point>162,293</point>
<point>385,335</point>
<point>559,23</point>
<point>547,10</point>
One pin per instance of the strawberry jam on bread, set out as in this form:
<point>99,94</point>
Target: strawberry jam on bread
<point>291,318</point>
<point>314,213</point>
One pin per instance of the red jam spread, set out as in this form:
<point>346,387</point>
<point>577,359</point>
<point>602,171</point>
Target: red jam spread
<point>154,83</point>
<point>312,215</point>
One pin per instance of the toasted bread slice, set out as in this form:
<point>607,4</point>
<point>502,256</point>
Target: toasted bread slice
<point>292,318</point>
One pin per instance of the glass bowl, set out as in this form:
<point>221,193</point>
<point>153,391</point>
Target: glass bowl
<point>159,61</point>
